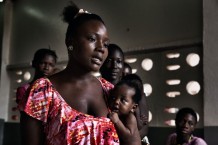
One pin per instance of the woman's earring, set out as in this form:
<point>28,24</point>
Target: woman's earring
<point>70,48</point>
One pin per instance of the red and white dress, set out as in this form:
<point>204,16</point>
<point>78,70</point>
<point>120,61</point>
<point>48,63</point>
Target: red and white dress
<point>64,125</point>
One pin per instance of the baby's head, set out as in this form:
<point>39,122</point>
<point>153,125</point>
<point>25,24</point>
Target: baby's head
<point>125,97</point>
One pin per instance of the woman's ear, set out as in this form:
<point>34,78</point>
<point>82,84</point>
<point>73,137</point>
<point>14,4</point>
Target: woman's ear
<point>134,107</point>
<point>69,41</point>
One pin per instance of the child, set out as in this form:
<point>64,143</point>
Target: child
<point>125,97</point>
<point>43,62</point>
<point>186,120</point>
<point>141,112</point>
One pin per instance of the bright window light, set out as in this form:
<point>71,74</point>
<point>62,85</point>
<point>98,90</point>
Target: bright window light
<point>173,94</point>
<point>27,76</point>
<point>149,116</point>
<point>172,55</point>
<point>134,71</point>
<point>173,82</point>
<point>147,64</point>
<point>193,87</point>
<point>130,60</point>
<point>198,116</point>
<point>147,89</point>
<point>170,122</point>
<point>173,67</point>
<point>19,72</point>
<point>193,59</point>
<point>19,81</point>
<point>171,110</point>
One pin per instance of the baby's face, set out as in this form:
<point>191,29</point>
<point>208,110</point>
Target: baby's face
<point>122,99</point>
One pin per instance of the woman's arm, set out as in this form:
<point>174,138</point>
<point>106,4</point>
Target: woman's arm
<point>31,130</point>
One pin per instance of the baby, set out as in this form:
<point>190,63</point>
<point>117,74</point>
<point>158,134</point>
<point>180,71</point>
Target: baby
<point>124,101</point>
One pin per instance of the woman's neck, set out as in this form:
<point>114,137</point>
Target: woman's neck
<point>76,72</point>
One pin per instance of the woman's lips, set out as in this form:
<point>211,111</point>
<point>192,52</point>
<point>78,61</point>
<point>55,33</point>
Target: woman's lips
<point>96,61</point>
<point>114,73</point>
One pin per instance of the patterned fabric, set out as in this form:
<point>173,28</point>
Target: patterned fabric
<point>106,87</point>
<point>63,124</point>
<point>193,141</point>
<point>20,94</point>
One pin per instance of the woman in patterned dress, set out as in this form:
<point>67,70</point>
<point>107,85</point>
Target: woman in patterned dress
<point>70,107</point>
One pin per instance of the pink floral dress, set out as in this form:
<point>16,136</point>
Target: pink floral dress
<point>64,125</point>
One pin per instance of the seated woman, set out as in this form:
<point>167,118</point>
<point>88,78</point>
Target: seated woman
<point>70,108</point>
<point>186,120</point>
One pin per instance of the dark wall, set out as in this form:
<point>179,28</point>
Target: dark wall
<point>156,135</point>
<point>1,131</point>
<point>11,134</point>
<point>211,135</point>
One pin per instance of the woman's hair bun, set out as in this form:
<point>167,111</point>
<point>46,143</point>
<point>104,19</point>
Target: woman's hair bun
<point>70,12</point>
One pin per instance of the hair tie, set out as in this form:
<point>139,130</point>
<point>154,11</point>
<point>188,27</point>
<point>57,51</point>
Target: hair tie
<point>81,11</point>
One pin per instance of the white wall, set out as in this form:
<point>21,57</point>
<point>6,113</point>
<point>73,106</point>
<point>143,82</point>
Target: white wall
<point>4,78</point>
<point>131,24</point>
<point>210,40</point>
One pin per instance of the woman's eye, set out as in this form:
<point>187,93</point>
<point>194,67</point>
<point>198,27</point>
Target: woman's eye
<point>92,39</point>
<point>119,61</point>
<point>191,123</point>
<point>106,45</point>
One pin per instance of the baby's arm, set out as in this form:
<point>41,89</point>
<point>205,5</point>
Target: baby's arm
<point>127,130</point>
